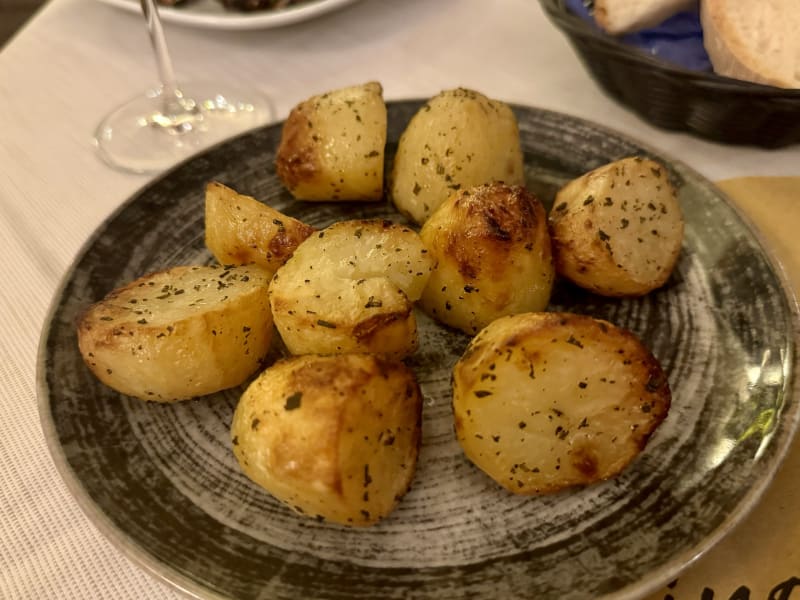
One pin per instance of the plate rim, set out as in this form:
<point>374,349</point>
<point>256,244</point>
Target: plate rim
<point>653,581</point>
<point>754,495</point>
<point>238,21</point>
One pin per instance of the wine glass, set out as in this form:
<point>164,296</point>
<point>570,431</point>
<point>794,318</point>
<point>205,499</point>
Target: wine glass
<point>159,128</point>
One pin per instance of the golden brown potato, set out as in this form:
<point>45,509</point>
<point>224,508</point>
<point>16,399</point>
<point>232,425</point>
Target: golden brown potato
<point>180,333</point>
<point>333,437</point>
<point>351,288</point>
<point>459,139</point>
<point>618,230</point>
<point>544,401</point>
<point>492,257</point>
<point>332,145</point>
<point>240,230</point>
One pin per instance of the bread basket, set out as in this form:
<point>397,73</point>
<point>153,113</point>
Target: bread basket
<point>708,105</point>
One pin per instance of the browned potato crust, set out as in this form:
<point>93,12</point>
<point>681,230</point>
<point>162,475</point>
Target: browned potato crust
<point>240,230</point>
<point>332,145</point>
<point>492,257</point>
<point>459,139</point>
<point>351,288</point>
<point>618,230</point>
<point>180,333</point>
<point>545,401</point>
<point>334,437</point>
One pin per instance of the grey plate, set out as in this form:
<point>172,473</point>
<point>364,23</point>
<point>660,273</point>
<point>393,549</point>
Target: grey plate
<point>162,483</point>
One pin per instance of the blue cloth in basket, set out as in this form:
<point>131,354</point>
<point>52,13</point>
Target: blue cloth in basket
<point>678,40</point>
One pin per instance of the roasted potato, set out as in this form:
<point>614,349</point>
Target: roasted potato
<point>240,230</point>
<point>332,145</point>
<point>545,401</point>
<point>459,139</point>
<point>618,230</point>
<point>180,333</point>
<point>492,257</point>
<point>351,288</point>
<point>333,437</point>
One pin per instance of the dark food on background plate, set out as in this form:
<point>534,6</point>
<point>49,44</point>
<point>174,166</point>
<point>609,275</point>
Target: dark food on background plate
<point>243,5</point>
<point>249,5</point>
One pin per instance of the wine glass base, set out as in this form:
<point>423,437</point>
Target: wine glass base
<point>153,132</point>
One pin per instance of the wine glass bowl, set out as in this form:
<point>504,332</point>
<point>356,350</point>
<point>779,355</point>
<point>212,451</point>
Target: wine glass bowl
<point>162,127</point>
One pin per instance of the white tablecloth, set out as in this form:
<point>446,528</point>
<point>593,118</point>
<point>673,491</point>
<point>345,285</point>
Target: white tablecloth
<point>79,58</point>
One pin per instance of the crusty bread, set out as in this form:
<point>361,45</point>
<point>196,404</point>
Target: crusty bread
<point>623,16</point>
<point>754,41</point>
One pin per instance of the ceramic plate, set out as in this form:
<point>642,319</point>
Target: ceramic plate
<point>211,14</point>
<point>162,483</point>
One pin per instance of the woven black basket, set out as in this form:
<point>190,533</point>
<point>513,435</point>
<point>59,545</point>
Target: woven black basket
<point>713,107</point>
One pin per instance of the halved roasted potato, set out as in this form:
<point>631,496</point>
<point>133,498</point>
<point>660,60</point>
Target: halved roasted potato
<point>544,401</point>
<point>333,437</point>
<point>332,145</point>
<point>351,288</point>
<point>240,230</point>
<point>459,139</point>
<point>491,252</point>
<point>180,333</point>
<point>618,230</point>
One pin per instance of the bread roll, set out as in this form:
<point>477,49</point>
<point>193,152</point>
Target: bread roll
<point>754,41</point>
<point>623,16</point>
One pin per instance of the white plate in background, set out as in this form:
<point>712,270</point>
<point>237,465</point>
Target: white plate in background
<point>212,14</point>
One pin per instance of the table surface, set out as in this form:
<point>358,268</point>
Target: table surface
<point>76,59</point>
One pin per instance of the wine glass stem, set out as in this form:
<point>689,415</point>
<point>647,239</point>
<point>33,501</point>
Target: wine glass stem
<point>170,92</point>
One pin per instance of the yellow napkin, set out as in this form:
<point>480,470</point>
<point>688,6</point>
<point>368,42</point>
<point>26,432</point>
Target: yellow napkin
<point>760,558</point>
